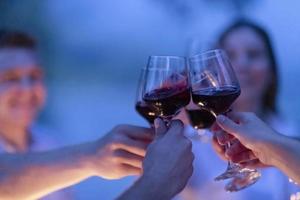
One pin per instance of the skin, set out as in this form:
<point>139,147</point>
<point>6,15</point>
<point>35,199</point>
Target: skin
<point>266,145</point>
<point>167,167</point>
<point>120,153</point>
<point>22,95</point>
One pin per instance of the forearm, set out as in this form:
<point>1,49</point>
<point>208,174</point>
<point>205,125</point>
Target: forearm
<point>285,154</point>
<point>146,189</point>
<point>34,175</point>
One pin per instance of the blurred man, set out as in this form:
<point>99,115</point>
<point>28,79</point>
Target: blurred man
<point>22,96</point>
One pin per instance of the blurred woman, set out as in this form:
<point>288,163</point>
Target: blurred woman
<point>250,51</point>
<point>22,96</point>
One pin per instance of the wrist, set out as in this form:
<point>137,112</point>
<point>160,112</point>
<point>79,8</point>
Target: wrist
<point>271,148</point>
<point>87,157</point>
<point>153,188</point>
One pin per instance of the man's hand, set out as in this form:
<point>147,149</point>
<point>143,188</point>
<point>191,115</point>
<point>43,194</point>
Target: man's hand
<point>121,152</point>
<point>167,166</point>
<point>248,136</point>
<point>169,159</point>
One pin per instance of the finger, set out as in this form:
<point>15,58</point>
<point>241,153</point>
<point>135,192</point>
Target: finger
<point>242,157</point>
<point>223,137</point>
<point>219,149</point>
<point>228,125</point>
<point>160,128</point>
<point>238,117</point>
<point>188,173</point>
<point>184,176</point>
<point>235,148</point>
<point>130,170</point>
<point>128,158</point>
<point>137,132</point>
<point>253,164</point>
<point>215,127</point>
<point>176,128</point>
<point>132,146</point>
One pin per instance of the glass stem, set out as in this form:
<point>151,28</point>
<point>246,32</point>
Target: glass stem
<point>167,120</point>
<point>231,166</point>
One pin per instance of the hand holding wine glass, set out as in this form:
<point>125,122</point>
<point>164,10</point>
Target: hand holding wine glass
<point>237,152</point>
<point>167,166</point>
<point>267,145</point>
<point>251,135</point>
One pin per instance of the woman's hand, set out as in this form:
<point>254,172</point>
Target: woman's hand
<point>248,136</point>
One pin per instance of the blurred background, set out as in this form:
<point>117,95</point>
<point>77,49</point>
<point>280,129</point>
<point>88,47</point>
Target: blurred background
<point>93,50</point>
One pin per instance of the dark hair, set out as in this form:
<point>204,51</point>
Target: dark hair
<point>270,96</point>
<point>16,39</point>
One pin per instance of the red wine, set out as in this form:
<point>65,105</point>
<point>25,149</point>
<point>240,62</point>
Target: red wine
<point>200,118</point>
<point>168,101</point>
<point>145,111</point>
<point>215,100</point>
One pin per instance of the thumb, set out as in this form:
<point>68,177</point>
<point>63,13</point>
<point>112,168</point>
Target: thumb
<point>160,128</point>
<point>176,127</point>
<point>228,125</point>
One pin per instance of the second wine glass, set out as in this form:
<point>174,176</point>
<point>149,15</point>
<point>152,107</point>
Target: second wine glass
<point>166,85</point>
<point>214,88</point>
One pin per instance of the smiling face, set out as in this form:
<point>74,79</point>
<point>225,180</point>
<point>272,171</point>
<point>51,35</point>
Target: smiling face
<point>250,60</point>
<point>22,91</point>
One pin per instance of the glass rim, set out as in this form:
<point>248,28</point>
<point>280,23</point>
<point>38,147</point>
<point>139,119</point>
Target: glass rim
<point>213,52</point>
<point>167,56</point>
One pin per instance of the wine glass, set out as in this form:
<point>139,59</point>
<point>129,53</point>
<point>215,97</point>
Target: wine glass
<point>166,86</point>
<point>199,118</point>
<point>214,88</point>
<point>141,107</point>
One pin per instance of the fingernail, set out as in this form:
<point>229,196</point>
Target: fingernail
<point>221,118</point>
